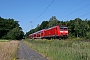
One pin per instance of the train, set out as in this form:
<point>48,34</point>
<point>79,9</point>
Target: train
<point>58,31</point>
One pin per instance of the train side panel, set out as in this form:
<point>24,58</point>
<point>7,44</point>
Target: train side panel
<point>51,32</point>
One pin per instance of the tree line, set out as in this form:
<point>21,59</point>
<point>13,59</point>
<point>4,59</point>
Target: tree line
<point>77,27</point>
<point>10,29</point>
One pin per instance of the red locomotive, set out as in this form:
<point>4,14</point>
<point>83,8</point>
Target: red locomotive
<point>53,32</point>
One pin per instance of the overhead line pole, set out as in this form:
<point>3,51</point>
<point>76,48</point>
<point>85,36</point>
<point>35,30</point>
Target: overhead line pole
<point>31,27</point>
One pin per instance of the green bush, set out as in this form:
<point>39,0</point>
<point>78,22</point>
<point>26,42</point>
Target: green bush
<point>88,35</point>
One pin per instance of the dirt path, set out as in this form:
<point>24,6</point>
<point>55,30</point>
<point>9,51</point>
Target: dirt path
<point>26,53</point>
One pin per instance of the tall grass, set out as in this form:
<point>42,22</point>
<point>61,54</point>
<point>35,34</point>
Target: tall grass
<point>61,49</point>
<point>8,50</point>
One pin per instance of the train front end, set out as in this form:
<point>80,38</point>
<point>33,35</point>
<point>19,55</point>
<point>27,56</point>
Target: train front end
<point>63,31</point>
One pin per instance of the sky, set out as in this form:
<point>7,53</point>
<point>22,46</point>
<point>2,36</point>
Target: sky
<point>26,11</point>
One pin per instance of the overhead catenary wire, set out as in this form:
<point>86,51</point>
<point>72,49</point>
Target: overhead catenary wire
<point>44,10</point>
<point>84,14</point>
<point>77,4</point>
<point>65,15</point>
<point>73,6</point>
<point>75,11</point>
<point>41,13</point>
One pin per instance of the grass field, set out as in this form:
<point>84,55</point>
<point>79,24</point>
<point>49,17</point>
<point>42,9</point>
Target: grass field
<point>61,49</point>
<point>4,40</point>
<point>8,50</point>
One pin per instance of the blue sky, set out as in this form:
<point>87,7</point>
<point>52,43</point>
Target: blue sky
<point>25,11</point>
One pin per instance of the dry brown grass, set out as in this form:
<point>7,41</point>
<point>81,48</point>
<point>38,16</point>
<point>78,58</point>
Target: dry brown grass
<point>8,50</point>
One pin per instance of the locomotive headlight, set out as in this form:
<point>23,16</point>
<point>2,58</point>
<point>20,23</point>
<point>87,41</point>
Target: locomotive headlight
<point>61,31</point>
<point>66,31</point>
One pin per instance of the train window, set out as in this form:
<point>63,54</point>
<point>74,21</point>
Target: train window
<point>56,28</point>
<point>63,28</point>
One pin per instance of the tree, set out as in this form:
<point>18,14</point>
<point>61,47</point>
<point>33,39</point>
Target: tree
<point>44,24</point>
<point>52,22</point>
<point>6,25</point>
<point>15,33</point>
<point>71,26</point>
<point>77,27</point>
<point>84,28</point>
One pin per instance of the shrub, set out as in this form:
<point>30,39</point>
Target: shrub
<point>88,35</point>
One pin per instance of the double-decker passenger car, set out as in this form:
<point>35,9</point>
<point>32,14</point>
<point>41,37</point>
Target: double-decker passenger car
<point>53,32</point>
<point>38,34</point>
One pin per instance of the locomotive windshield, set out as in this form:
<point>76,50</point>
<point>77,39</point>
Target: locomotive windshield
<point>63,28</point>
